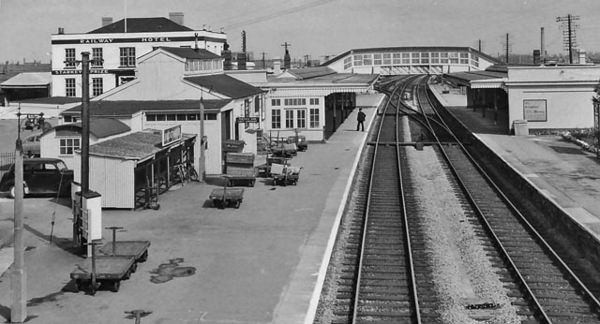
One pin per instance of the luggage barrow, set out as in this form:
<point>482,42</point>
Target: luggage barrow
<point>285,175</point>
<point>223,197</point>
<point>136,249</point>
<point>110,270</point>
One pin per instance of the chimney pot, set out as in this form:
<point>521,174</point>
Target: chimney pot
<point>61,30</point>
<point>176,17</point>
<point>106,21</point>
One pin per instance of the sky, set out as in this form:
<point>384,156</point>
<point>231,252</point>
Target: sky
<point>315,27</point>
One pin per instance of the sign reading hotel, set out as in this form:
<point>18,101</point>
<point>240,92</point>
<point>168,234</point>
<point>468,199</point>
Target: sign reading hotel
<point>535,110</point>
<point>171,134</point>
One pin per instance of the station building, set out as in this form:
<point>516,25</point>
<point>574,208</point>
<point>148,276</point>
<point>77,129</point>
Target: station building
<point>548,98</point>
<point>116,47</point>
<point>410,60</point>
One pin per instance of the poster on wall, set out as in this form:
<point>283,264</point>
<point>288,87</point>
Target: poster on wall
<point>535,110</point>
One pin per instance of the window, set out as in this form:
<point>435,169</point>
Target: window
<point>314,101</point>
<point>435,58</point>
<point>70,87</point>
<point>387,58</point>
<point>314,117</point>
<point>256,104</point>
<point>405,58</point>
<point>127,56</point>
<point>358,60</point>
<point>70,58</point>
<point>276,118</point>
<point>275,102</point>
<point>97,88</point>
<point>377,59</point>
<point>396,58</point>
<point>424,57</point>
<point>453,57</point>
<point>69,145</point>
<point>444,57</point>
<point>416,58</point>
<point>295,102</point>
<point>289,118</point>
<point>367,59</point>
<point>301,118</point>
<point>97,59</point>
<point>464,58</point>
<point>347,62</point>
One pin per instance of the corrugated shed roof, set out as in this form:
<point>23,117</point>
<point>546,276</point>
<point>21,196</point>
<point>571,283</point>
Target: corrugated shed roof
<point>311,72</point>
<point>192,53</point>
<point>130,107</point>
<point>136,146</point>
<point>99,127</point>
<point>141,25</point>
<point>226,85</point>
<point>28,79</point>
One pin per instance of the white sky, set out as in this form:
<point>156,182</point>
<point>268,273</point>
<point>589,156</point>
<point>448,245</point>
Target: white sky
<point>314,27</point>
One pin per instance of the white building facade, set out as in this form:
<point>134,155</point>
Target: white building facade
<point>115,48</point>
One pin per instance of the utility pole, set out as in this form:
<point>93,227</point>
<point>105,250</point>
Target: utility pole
<point>264,64</point>
<point>286,57</point>
<point>18,311</point>
<point>306,60</point>
<point>479,48</point>
<point>542,47</point>
<point>202,162</point>
<point>85,122</point>
<point>568,26</point>
<point>507,48</point>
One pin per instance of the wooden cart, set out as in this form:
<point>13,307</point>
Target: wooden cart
<point>223,197</point>
<point>239,169</point>
<point>110,270</point>
<point>284,174</point>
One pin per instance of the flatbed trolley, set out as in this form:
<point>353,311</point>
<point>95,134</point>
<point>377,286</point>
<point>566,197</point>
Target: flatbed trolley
<point>110,270</point>
<point>135,249</point>
<point>223,197</point>
<point>284,174</point>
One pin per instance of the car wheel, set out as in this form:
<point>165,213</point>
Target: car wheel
<point>12,191</point>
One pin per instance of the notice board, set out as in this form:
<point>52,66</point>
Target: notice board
<point>535,110</point>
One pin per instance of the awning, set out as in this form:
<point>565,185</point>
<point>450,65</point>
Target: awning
<point>28,80</point>
<point>489,84</point>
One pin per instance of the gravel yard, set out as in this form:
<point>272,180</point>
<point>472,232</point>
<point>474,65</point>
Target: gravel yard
<point>463,275</point>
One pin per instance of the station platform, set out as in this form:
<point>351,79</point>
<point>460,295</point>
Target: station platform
<point>560,170</point>
<point>262,263</point>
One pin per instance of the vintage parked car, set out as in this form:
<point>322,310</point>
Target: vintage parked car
<point>41,176</point>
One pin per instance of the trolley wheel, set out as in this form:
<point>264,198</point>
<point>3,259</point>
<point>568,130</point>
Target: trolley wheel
<point>194,175</point>
<point>78,285</point>
<point>252,183</point>
<point>144,257</point>
<point>156,206</point>
<point>115,285</point>
<point>237,204</point>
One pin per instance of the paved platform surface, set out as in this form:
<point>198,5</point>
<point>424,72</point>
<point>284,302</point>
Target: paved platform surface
<point>560,169</point>
<point>261,263</point>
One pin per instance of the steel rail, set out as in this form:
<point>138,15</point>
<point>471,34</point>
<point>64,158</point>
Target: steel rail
<point>521,217</point>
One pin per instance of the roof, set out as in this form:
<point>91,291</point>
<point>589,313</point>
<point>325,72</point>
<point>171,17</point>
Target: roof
<point>464,78</point>
<point>192,53</point>
<point>311,72</point>
<point>335,79</point>
<point>135,146</point>
<point>99,127</point>
<point>141,25</point>
<point>28,79</point>
<point>52,100</point>
<point>225,84</point>
<point>411,49</point>
<point>130,107</point>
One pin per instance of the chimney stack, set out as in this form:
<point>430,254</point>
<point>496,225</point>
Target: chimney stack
<point>176,17</point>
<point>106,21</point>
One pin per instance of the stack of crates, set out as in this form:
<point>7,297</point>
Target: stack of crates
<point>240,167</point>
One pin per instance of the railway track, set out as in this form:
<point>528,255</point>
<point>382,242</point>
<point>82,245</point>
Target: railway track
<point>383,270</point>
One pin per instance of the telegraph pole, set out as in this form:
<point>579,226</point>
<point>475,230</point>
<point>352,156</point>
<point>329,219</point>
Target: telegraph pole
<point>507,48</point>
<point>85,122</point>
<point>569,39</point>
<point>201,163</point>
<point>264,64</point>
<point>18,311</point>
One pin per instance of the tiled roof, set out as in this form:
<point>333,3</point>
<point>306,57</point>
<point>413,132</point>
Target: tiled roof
<point>192,53</point>
<point>141,25</point>
<point>226,85</point>
<point>130,107</point>
<point>99,127</point>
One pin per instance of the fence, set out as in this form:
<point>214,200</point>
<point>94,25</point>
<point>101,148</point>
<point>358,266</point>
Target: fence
<point>6,160</point>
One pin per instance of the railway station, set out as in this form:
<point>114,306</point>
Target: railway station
<point>469,197</point>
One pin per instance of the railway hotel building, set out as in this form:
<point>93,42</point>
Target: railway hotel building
<point>118,45</point>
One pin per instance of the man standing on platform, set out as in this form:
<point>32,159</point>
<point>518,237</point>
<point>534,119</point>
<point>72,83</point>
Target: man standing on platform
<point>361,120</point>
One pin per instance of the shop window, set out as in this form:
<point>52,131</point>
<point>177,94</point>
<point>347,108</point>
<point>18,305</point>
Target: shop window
<point>97,60</point>
<point>276,118</point>
<point>70,90</point>
<point>70,58</point>
<point>314,117</point>
<point>127,56</point>
<point>69,145</point>
<point>97,87</point>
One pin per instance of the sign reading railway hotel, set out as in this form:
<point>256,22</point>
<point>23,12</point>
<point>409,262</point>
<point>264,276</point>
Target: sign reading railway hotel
<point>118,48</point>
